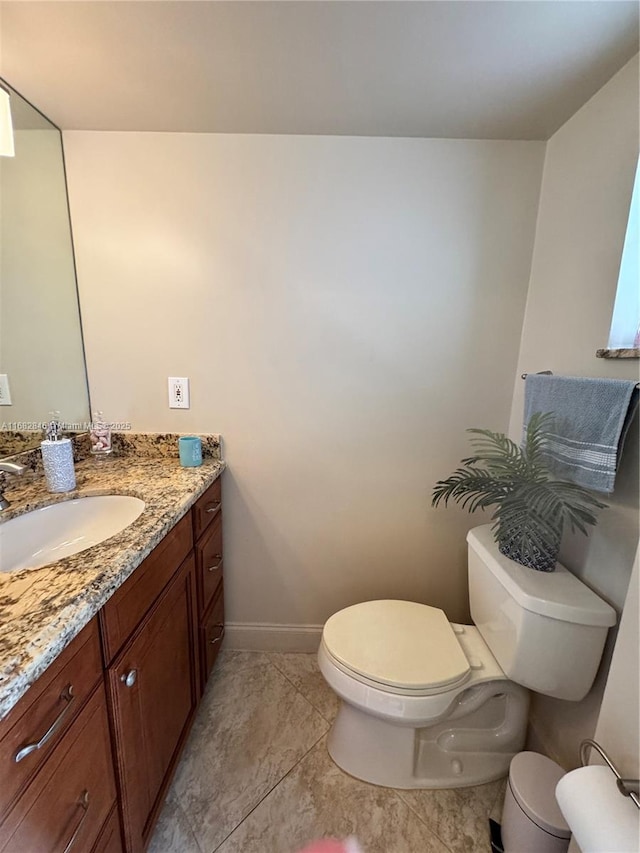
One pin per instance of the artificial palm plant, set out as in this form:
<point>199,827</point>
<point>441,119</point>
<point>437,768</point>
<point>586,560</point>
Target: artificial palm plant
<point>531,508</point>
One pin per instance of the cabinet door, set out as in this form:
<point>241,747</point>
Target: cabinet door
<point>153,691</point>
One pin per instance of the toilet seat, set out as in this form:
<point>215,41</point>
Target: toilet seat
<point>398,646</point>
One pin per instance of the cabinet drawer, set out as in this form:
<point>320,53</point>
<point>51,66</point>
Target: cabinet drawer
<point>67,803</point>
<point>125,609</point>
<point>209,564</point>
<point>35,725</point>
<point>206,508</point>
<point>212,632</point>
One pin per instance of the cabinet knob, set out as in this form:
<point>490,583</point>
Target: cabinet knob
<point>129,678</point>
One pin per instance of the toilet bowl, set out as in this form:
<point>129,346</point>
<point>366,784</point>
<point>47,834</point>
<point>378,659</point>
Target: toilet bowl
<point>410,718</point>
<point>431,704</point>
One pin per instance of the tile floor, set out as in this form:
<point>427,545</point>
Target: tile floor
<point>256,777</point>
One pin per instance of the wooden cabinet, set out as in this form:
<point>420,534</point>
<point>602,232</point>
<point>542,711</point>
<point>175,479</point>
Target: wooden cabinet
<point>124,692</point>
<point>207,529</point>
<point>159,636</point>
<point>36,724</point>
<point>71,797</point>
<point>57,786</point>
<point>153,692</point>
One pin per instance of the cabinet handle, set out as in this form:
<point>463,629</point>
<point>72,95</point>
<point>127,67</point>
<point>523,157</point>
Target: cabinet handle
<point>67,697</point>
<point>221,637</point>
<point>83,802</point>
<point>214,507</point>
<point>217,557</point>
<point>129,678</point>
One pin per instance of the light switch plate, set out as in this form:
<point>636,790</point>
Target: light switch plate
<point>178,392</point>
<point>5,392</point>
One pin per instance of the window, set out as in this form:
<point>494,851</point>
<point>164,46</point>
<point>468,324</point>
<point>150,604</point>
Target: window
<point>626,311</point>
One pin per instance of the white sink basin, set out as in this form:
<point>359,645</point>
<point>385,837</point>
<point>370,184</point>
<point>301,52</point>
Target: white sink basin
<point>45,535</point>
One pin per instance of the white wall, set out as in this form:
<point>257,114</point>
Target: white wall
<point>584,204</point>
<point>344,308</point>
<point>618,729</point>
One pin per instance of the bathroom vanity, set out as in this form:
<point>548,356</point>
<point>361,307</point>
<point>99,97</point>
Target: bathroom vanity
<point>88,750</point>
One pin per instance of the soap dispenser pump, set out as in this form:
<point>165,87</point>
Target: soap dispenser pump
<point>57,457</point>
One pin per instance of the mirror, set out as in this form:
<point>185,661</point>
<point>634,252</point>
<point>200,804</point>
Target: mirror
<point>41,348</point>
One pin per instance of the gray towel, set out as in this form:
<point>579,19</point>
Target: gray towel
<point>592,417</point>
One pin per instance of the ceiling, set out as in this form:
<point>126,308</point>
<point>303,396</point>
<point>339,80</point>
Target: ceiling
<point>433,68</point>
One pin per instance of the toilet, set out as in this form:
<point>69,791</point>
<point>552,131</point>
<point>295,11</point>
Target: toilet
<point>427,703</point>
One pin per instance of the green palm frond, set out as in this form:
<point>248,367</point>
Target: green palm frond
<point>495,444</point>
<point>470,486</point>
<point>536,435</point>
<point>577,504</point>
<point>530,508</point>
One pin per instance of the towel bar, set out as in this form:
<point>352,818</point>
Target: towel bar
<point>549,373</point>
<point>627,787</point>
<point>540,373</point>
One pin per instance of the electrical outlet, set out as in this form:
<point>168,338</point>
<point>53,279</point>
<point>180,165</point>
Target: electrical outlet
<point>178,392</point>
<point>5,392</point>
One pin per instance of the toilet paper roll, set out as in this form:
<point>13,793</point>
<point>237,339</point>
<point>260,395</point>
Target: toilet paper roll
<point>601,818</point>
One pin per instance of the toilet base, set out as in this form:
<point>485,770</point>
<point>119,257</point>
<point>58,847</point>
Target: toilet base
<point>455,753</point>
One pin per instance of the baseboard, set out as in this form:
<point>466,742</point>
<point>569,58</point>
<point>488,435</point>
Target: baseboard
<point>265,637</point>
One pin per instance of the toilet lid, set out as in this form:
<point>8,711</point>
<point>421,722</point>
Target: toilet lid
<point>398,643</point>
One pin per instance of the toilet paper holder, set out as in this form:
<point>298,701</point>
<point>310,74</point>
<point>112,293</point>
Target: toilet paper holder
<point>627,787</point>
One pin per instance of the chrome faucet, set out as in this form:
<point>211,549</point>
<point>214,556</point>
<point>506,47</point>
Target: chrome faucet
<point>9,468</point>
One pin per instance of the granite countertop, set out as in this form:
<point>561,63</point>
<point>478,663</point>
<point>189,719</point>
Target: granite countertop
<point>42,610</point>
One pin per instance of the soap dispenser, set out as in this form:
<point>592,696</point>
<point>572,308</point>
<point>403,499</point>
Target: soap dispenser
<point>57,458</point>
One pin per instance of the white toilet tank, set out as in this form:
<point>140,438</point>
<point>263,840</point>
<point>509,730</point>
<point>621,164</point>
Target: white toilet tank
<point>546,629</point>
